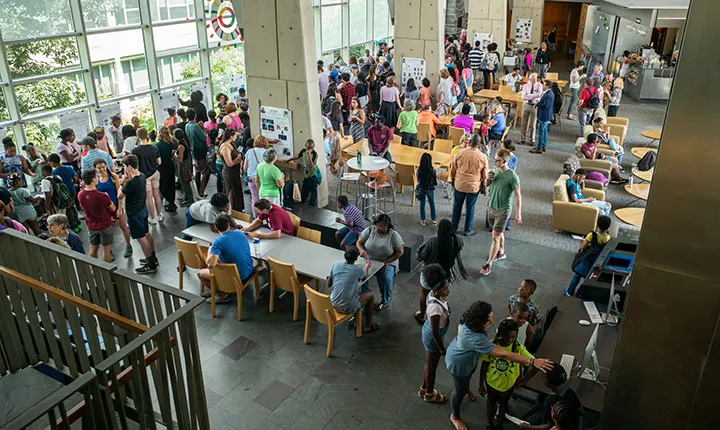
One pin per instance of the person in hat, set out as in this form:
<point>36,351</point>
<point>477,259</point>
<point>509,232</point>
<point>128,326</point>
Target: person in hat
<point>68,149</point>
<point>89,145</point>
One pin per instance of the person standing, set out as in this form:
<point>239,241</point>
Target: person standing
<point>407,124</point>
<point>544,116</point>
<point>435,326</point>
<point>357,119</point>
<point>68,149</point>
<point>347,91</point>
<point>322,79</point>
<point>185,168</point>
<point>444,95</point>
<point>614,96</point>
<point>269,178</point>
<point>115,137</point>
<point>575,88</point>
<point>130,140</point>
<point>531,93</point>
<point>253,158</point>
<point>195,103</point>
<point>425,189</point>
<point>390,96</point>
<point>57,225</point>
<point>98,209</point>
<point>149,161</point>
<point>13,164</point>
<point>489,65</point>
<point>589,101</point>
<point>468,172</point>
<point>504,184</point>
<point>543,60</point>
<point>476,56</point>
<point>89,144</point>
<point>308,159</point>
<point>133,191</point>
<point>109,183</point>
<point>232,161</point>
<point>167,150</point>
<point>552,38</point>
<point>198,145</point>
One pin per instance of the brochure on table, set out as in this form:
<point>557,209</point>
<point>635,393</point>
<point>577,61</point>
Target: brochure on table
<point>78,121</point>
<point>484,38</point>
<point>276,123</point>
<point>167,101</point>
<point>103,113</point>
<point>236,82</point>
<point>414,68</point>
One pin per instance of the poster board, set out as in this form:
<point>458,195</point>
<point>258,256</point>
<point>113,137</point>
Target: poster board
<point>78,121</point>
<point>203,88</point>
<point>523,30</point>
<point>415,68</point>
<point>236,82</point>
<point>167,101</point>
<point>276,123</point>
<point>103,114</point>
<point>484,38</point>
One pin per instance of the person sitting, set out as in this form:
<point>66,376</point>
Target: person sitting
<point>277,218</point>
<point>562,408</point>
<point>497,123</point>
<point>57,225</point>
<point>380,241</point>
<point>575,184</point>
<point>603,133</point>
<point>354,223</point>
<point>231,247</point>
<point>207,211</point>
<point>427,116</point>
<point>511,79</point>
<point>597,238</point>
<point>589,150</point>
<point>464,121</point>
<point>379,139</point>
<point>467,101</point>
<point>346,298</point>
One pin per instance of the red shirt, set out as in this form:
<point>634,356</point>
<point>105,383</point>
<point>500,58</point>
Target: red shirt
<point>95,204</point>
<point>586,94</point>
<point>277,219</point>
<point>379,139</point>
<point>347,91</point>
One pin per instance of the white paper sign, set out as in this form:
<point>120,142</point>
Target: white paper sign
<point>484,38</point>
<point>236,82</point>
<point>414,68</point>
<point>207,100</point>
<point>78,121</point>
<point>167,101</point>
<point>276,123</point>
<point>523,30</point>
<point>103,113</point>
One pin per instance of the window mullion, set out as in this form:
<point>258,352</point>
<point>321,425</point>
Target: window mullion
<point>150,58</point>
<point>205,51</point>
<point>10,96</point>
<point>84,56</point>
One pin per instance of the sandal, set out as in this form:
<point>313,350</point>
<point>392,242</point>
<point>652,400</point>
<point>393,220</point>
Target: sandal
<point>373,327</point>
<point>421,392</point>
<point>458,423</point>
<point>435,397</point>
<point>380,306</point>
<point>470,396</point>
<point>223,299</point>
<point>419,318</point>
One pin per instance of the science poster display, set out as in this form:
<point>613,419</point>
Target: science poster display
<point>276,123</point>
<point>203,88</point>
<point>414,68</point>
<point>523,30</point>
<point>236,82</point>
<point>78,121</point>
<point>103,114</point>
<point>167,101</point>
<point>484,38</point>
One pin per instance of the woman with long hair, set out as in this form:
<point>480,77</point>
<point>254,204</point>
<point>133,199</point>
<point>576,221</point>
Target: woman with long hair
<point>426,182</point>
<point>232,176</point>
<point>411,90</point>
<point>357,120</point>
<point>149,161</point>
<point>167,167</point>
<point>390,97</point>
<point>109,183</point>
<point>185,170</point>
<point>373,88</point>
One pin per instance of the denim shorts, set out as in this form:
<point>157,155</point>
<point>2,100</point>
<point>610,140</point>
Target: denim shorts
<point>427,337</point>
<point>349,238</point>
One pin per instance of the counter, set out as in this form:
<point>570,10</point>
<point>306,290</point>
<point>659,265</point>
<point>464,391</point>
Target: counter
<point>649,84</point>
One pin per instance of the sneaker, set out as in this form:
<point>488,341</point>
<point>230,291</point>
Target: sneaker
<point>77,229</point>
<point>169,208</point>
<point>470,233</point>
<point>160,218</point>
<point>619,181</point>
<point>500,256</point>
<point>112,256</point>
<point>435,222</point>
<point>128,251</point>
<point>81,215</point>
<point>423,222</point>
<point>185,204</point>
<point>152,220</point>
<point>146,269</point>
<point>621,168</point>
<point>145,261</point>
<point>485,270</point>
<point>567,293</point>
<point>544,149</point>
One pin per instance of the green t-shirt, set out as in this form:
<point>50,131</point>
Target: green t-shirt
<point>502,189</point>
<point>503,373</point>
<point>409,121</point>
<point>267,174</point>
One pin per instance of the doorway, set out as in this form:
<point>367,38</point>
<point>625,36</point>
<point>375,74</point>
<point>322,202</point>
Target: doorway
<point>565,16</point>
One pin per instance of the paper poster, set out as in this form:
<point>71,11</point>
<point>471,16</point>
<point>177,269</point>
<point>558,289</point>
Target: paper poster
<point>523,30</point>
<point>236,82</point>
<point>276,123</point>
<point>484,38</point>
<point>78,121</point>
<point>414,68</point>
<point>207,100</point>
<point>103,114</point>
<point>167,101</point>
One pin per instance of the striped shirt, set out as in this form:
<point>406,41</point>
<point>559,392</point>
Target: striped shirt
<point>88,160</point>
<point>353,215</point>
<point>475,56</point>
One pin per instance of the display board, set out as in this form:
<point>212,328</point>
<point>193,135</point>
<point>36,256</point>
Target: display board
<point>276,123</point>
<point>236,82</point>
<point>78,121</point>
<point>203,87</point>
<point>414,68</point>
<point>484,38</point>
<point>167,101</point>
<point>523,30</point>
<point>103,114</point>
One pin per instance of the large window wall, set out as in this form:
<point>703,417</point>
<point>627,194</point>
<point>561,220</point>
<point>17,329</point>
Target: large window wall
<point>77,61</point>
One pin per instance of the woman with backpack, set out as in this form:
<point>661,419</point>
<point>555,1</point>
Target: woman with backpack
<point>590,248</point>
<point>489,64</point>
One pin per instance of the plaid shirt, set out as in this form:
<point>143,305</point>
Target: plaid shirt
<point>353,215</point>
<point>347,91</point>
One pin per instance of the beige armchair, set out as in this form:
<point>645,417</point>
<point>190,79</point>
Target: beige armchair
<point>604,149</point>
<point>614,120</point>
<point>589,129</point>
<point>570,216</point>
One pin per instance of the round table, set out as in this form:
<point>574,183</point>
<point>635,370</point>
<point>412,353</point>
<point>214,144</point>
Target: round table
<point>643,176</point>
<point>640,152</point>
<point>639,191</point>
<point>652,134</point>
<point>632,216</point>
<point>369,162</point>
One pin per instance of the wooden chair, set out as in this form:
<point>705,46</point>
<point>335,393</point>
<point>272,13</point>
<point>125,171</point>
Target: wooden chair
<point>295,222</point>
<point>242,216</point>
<point>396,138</point>
<point>443,145</point>
<point>405,176</point>
<point>506,89</point>
<point>456,134</point>
<point>284,276</point>
<point>318,306</point>
<point>225,278</point>
<point>309,234</point>
<point>423,133</point>
<point>551,76</point>
<point>190,254</point>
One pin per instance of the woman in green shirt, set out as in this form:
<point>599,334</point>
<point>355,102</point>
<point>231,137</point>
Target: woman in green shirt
<point>270,178</point>
<point>407,123</point>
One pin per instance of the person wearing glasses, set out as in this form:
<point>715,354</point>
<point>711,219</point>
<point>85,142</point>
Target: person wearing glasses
<point>503,184</point>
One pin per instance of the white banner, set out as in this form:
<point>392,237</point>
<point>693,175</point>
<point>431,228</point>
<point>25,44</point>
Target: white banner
<point>523,30</point>
<point>414,68</point>
<point>78,121</point>
<point>484,38</point>
<point>165,102</point>
<point>236,82</point>
<point>103,114</point>
<point>276,123</point>
<point>207,100</point>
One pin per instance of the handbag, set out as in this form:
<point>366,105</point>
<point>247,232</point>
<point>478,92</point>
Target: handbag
<point>318,175</point>
<point>297,196</point>
<point>254,178</point>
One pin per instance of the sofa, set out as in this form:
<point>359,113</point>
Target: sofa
<point>574,217</point>
<point>589,129</point>
<point>604,149</point>
<point>601,166</point>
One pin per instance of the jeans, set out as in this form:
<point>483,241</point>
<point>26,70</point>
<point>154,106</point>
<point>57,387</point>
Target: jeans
<point>603,206</point>
<point>574,282</point>
<point>189,222</point>
<point>461,197</point>
<point>617,148</point>
<point>486,79</point>
<point>385,283</point>
<point>309,188</point>
<point>542,134</point>
<point>421,195</point>
<point>387,156</point>
<point>461,385</point>
<point>584,117</point>
<point>574,97</point>
<point>542,70</point>
<point>582,267</point>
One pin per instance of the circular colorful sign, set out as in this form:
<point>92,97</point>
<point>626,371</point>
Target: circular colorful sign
<point>223,21</point>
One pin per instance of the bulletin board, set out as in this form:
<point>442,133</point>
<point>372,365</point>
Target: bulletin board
<point>167,101</point>
<point>414,68</point>
<point>236,82</point>
<point>484,38</point>
<point>78,121</point>
<point>103,114</point>
<point>523,30</point>
<point>276,123</point>
<point>207,100</point>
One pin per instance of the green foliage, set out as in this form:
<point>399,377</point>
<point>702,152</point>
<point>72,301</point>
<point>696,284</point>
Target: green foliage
<point>357,51</point>
<point>224,63</point>
<point>144,111</point>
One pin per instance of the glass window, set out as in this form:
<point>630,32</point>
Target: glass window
<point>110,13</point>
<point>42,57</point>
<point>43,133</point>
<point>331,21</point>
<point>105,84</point>
<point>4,114</point>
<point>381,19</point>
<point>175,37</point>
<point>358,21</point>
<point>179,68</point>
<point>23,19</point>
<point>224,64</point>
<point>50,94</point>
<point>163,10</point>
<point>135,74</point>
<point>104,49</point>
<point>140,107</point>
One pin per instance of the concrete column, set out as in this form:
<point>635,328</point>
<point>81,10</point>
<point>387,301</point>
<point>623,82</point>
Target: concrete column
<point>488,16</point>
<point>419,33</point>
<point>529,9</point>
<point>281,71</point>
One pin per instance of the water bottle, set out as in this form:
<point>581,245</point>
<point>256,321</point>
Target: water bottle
<point>359,158</point>
<point>256,246</point>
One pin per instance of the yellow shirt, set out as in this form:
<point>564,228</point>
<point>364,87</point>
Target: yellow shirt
<point>502,373</point>
<point>602,238</point>
<point>454,151</point>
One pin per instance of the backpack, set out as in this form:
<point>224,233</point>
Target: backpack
<point>647,162</point>
<point>585,258</point>
<point>593,102</point>
<point>61,197</point>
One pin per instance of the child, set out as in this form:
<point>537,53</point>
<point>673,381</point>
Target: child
<point>527,64</point>
<point>498,376</point>
<point>69,178</point>
<point>597,239</point>
<point>407,123</point>
<point>464,142</point>
<point>569,408</point>
<point>7,222</point>
<point>524,295</point>
<point>344,280</point>
<point>212,123</point>
<point>24,205</point>
<point>57,225</point>
<point>437,321</point>
<point>426,183</point>
<point>520,314</point>
<point>513,161</point>
<point>35,160</point>
<point>425,92</point>
<point>171,118</point>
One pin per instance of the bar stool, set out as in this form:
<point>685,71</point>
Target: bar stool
<point>346,176</point>
<point>379,186</point>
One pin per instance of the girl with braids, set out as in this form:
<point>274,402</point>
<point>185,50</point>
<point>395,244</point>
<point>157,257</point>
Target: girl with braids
<point>463,354</point>
<point>556,380</point>
<point>443,249</point>
<point>498,376</point>
<point>564,415</point>
<point>436,325</point>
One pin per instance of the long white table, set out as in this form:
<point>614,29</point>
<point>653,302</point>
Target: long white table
<point>202,232</point>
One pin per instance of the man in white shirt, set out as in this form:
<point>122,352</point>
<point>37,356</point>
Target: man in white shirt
<point>512,78</point>
<point>322,79</point>
<point>466,101</point>
<point>575,87</point>
<point>531,94</point>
